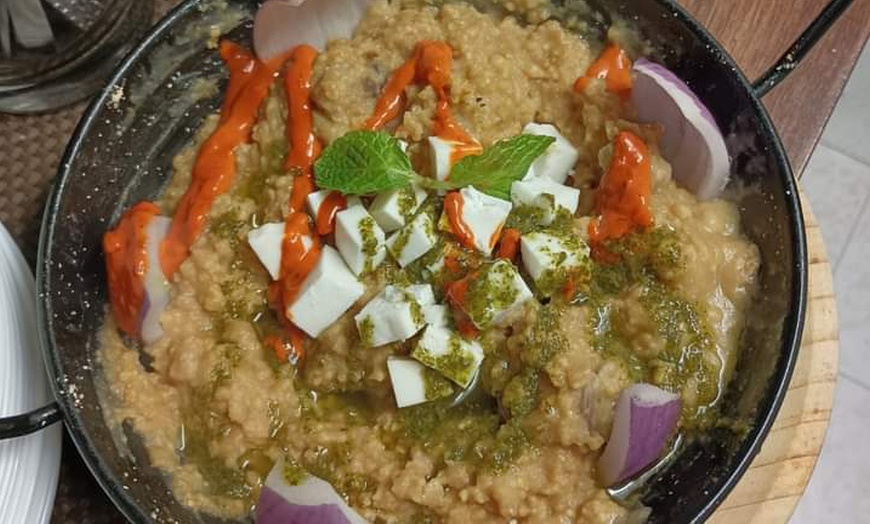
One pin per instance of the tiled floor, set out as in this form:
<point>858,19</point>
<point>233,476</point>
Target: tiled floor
<point>837,182</point>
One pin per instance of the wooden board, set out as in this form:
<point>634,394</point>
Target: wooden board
<point>774,483</point>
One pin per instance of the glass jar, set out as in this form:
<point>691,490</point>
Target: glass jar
<point>56,52</point>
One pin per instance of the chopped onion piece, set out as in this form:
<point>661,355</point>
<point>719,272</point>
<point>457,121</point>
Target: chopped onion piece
<point>281,25</point>
<point>692,142</point>
<point>311,500</point>
<point>644,419</point>
<point>155,284</point>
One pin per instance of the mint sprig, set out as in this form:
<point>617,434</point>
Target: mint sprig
<point>367,162</point>
<point>500,165</point>
<point>362,163</point>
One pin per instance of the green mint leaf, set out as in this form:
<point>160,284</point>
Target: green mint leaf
<point>362,163</point>
<point>500,165</point>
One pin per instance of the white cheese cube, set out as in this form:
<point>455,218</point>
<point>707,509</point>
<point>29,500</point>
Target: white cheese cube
<point>392,209</point>
<point>559,159</point>
<point>440,154</point>
<point>444,153</point>
<point>420,293</point>
<point>409,379</point>
<point>436,315</point>
<point>414,240</point>
<point>530,174</point>
<point>330,290</point>
<point>394,315</point>
<point>484,216</point>
<point>406,376</point>
<point>443,350</point>
<point>549,259</point>
<point>266,242</point>
<point>315,199</point>
<point>359,239</point>
<point>435,267</point>
<point>493,292</point>
<point>543,193</point>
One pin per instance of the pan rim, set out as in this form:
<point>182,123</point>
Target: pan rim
<point>778,383</point>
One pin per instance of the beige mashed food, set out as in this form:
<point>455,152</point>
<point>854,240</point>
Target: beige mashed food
<point>216,408</point>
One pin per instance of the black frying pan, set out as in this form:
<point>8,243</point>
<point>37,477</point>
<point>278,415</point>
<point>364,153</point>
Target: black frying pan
<point>117,157</point>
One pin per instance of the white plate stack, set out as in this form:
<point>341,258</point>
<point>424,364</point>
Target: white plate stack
<point>28,465</point>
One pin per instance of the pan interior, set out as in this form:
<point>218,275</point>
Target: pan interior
<point>121,154</point>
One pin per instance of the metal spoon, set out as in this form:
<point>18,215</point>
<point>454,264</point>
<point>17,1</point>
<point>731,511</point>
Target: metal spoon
<point>463,394</point>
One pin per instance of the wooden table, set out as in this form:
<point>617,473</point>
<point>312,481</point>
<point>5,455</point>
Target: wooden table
<point>755,32</point>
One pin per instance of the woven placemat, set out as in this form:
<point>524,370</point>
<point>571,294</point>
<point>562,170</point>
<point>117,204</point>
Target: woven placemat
<point>30,150</point>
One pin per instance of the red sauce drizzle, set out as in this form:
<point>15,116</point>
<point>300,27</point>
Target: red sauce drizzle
<point>391,103</point>
<point>453,203</point>
<point>452,263</point>
<point>290,345</point>
<point>569,290</point>
<point>455,294</point>
<point>460,151</point>
<point>493,238</point>
<point>126,264</point>
<point>614,66</point>
<point>332,204</point>
<point>305,147</point>
<point>215,166</point>
<point>242,66</point>
<point>623,195</point>
<point>297,260</point>
<point>429,65</point>
<point>510,244</point>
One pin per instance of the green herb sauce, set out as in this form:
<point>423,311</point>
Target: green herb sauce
<point>407,202</point>
<point>370,242</point>
<point>367,331</point>
<point>528,219</point>
<point>292,472</point>
<point>689,354</point>
<point>520,396</point>
<point>199,427</point>
<point>436,385</point>
<point>228,226</point>
<point>416,312</point>
<point>511,442</point>
<point>330,464</point>
<point>255,185</point>
<point>457,364</point>
<point>491,291</point>
<point>545,340</point>
<point>401,241</point>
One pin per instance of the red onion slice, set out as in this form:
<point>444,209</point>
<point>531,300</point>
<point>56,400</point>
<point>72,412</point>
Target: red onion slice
<point>644,419</point>
<point>155,284</point>
<point>281,25</point>
<point>312,500</point>
<point>273,508</point>
<point>692,142</point>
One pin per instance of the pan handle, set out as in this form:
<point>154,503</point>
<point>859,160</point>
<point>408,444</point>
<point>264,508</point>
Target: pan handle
<point>799,49</point>
<point>20,425</point>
